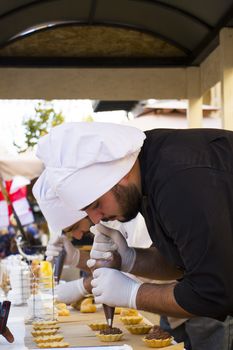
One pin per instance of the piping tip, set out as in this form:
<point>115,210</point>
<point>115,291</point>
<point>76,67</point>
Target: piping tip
<point>109,322</point>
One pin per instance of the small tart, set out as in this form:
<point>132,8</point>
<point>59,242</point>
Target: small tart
<point>63,312</point>
<point>141,328</point>
<point>109,337</point>
<point>38,323</point>
<point>87,301</point>
<point>54,344</point>
<point>44,332</point>
<point>49,338</point>
<point>157,338</point>
<point>98,326</point>
<point>110,334</point>
<point>88,308</point>
<point>157,343</point>
<point>129,312</point>
<point>46,326</point>
<point>61,306</point>
<point>131,319</point>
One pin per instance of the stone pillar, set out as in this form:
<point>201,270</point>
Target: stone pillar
<point>194,111</point>
<point>226,71</point>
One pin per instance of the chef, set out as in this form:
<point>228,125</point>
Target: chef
<point>181,181</point>
<point>64,220</point>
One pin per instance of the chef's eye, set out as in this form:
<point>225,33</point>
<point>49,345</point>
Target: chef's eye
<point>96,205</point>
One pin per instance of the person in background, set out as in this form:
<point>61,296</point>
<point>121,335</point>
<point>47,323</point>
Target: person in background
<point>180,180</point>
<point>7,243</point>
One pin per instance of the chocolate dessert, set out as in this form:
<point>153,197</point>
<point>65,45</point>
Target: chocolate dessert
<point>157,337</point>
<point>111,330</point>
<point>110,334</point>
<point>161,335</point>
<point>157,333</point>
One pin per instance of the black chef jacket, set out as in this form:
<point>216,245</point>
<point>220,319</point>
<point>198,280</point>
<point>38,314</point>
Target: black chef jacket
<point>187,185</point>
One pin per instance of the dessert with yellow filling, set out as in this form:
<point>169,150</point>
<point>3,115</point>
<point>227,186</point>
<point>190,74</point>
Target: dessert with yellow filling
<point>110,334</point>
<point>129,312</point>
<point>87,301</point>
<point>88,308</point>
<point>87,305</point>
<point>157,338</point>
<point>63,312</point>
<point>131,319</point>
<point>46,274</point>
<point>140,328</point>
<point>61,306</point>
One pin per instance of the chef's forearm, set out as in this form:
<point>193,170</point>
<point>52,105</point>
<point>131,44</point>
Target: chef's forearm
<point>150,263</point>
<point>159,298</point>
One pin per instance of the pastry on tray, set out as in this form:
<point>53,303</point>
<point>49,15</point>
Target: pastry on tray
<point>87,305</point>
<point>63,312</point>
<point>128,312</point>
<point>131,319</point>
<point>39,323</point>
<point>46,326</point>
<point>98,326</point>
<point>55,344</point>
<point>49,338</point>
<point>157,338</point>
<point>110,334</point>
<point>87,301</point>
<point>88,308</point>
<point>61,306</point>
<point>41,332</point>
<point>141,328</point>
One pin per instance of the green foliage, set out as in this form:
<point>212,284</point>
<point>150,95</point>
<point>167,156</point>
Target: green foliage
<point>88,119</point>
<point>39,124</point>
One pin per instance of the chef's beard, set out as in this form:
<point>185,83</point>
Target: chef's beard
<point>129,200</point>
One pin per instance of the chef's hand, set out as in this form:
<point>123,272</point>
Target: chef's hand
<point>8,335</point>
<point>106,241</point>
<point>72,291</point>
<point>55,246</point>
<point>114,288</point>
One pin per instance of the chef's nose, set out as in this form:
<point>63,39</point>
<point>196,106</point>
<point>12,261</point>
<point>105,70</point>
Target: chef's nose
<point>95,215</point>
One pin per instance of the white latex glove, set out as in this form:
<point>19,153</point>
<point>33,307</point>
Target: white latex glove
<point>70,292</point>
<point>114,288</point>
<point>54,247</point>
<point>107,240</point>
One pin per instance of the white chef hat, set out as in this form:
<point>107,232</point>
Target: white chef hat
<point>57,214</point>
<point>85,160</point>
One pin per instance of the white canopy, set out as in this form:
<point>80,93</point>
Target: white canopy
<point>25,164</point>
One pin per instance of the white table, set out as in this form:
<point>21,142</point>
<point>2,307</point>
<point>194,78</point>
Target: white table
<point>17,327</point>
